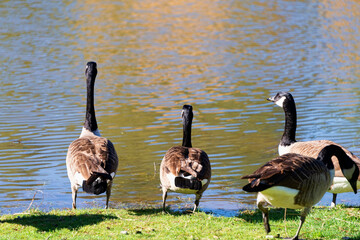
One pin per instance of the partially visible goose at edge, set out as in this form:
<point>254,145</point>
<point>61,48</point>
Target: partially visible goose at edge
<point>288,144</point>
<point>91,159</point>
<point>299,182</point>
<point>185,169</point>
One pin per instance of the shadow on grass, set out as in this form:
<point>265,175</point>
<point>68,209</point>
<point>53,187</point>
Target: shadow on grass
<point>152,211</point>
<point>275,214</point>
<point>50,222</point>
<point>145,211</point>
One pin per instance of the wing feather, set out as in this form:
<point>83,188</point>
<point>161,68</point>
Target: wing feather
<point>289,170</point>
<point>192,161</point>
<point>313,148</point>
<point>88,155</point>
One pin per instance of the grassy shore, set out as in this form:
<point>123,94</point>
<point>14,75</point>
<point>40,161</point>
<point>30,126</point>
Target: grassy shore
<point>148,223</point>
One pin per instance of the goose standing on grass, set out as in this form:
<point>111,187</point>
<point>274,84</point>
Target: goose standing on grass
<point>288,144</point>
<point>185,169</point>
<point>91,159</point>
<point>299,182</point>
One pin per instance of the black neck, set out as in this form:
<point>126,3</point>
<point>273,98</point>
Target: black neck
<point>290,123</point>
<point>90,118</point>
<point>333,150</point>
<point>347,165</point>
<point>187,133</point>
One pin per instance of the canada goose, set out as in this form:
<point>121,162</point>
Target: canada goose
<point>185,169</point>
<point>288,144</point>
<point>91,160</point>
<point>299,182</point>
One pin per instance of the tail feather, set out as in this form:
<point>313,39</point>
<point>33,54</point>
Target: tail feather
<point>95,175</point>
<point>96,183</point>
<point>256,186</point>
<point>193,184</point>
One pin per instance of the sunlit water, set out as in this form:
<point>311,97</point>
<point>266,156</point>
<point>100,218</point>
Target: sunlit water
<point>223,57</point>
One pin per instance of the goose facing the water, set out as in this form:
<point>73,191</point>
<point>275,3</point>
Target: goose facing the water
<point>298,182</point>
<point>288,144</point>
<point>185,169</point>
<point>91,159</point>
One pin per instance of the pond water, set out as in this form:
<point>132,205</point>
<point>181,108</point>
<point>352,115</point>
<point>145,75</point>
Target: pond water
<point>223,57</point>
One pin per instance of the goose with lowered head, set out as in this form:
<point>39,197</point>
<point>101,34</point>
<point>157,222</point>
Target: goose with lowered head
<point>299,182</point>
<point>288,144</point>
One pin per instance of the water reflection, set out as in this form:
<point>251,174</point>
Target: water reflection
<point>223,57</point>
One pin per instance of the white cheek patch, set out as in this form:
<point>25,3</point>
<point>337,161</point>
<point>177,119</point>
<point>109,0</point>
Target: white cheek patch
<point>348,173</point>
<point>332,173</point>
<point>280,102</point>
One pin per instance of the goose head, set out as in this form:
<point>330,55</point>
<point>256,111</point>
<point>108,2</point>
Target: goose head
<point>91,70</point>
<point>347,165</point>
<point>187,112</point>
<point>280,98</point>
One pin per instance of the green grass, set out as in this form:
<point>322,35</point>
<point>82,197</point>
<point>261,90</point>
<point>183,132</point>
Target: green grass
<point>148,223</point>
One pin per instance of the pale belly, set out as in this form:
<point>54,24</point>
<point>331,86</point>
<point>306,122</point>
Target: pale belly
<point>284,197</point>
<point>284,149</point>
<point>279,196</point>
<point>341,185</point>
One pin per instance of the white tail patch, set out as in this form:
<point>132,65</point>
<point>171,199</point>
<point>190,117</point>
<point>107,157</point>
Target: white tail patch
<point>173,188</point>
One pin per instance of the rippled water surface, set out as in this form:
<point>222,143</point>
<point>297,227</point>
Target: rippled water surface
<point>223,57</point>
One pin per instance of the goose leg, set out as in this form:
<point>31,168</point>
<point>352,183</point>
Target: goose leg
<point>108,193</point>
<point>304,213</point>
<point>74,195</point>
<point>265,216</point>
<point>197,201</point>
<point>164,196</point>
<point>333,203</point>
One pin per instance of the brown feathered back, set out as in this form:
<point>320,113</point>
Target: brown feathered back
<point>193,161</point>
<point>92,154</point>
<point>312,149</point>
<point>289,170</point>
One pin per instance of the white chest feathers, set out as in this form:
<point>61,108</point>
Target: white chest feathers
<point>85,132</point>
<point>283,149</point>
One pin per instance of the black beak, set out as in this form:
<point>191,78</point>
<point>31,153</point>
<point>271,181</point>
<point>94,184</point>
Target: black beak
<point>271,99</point>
